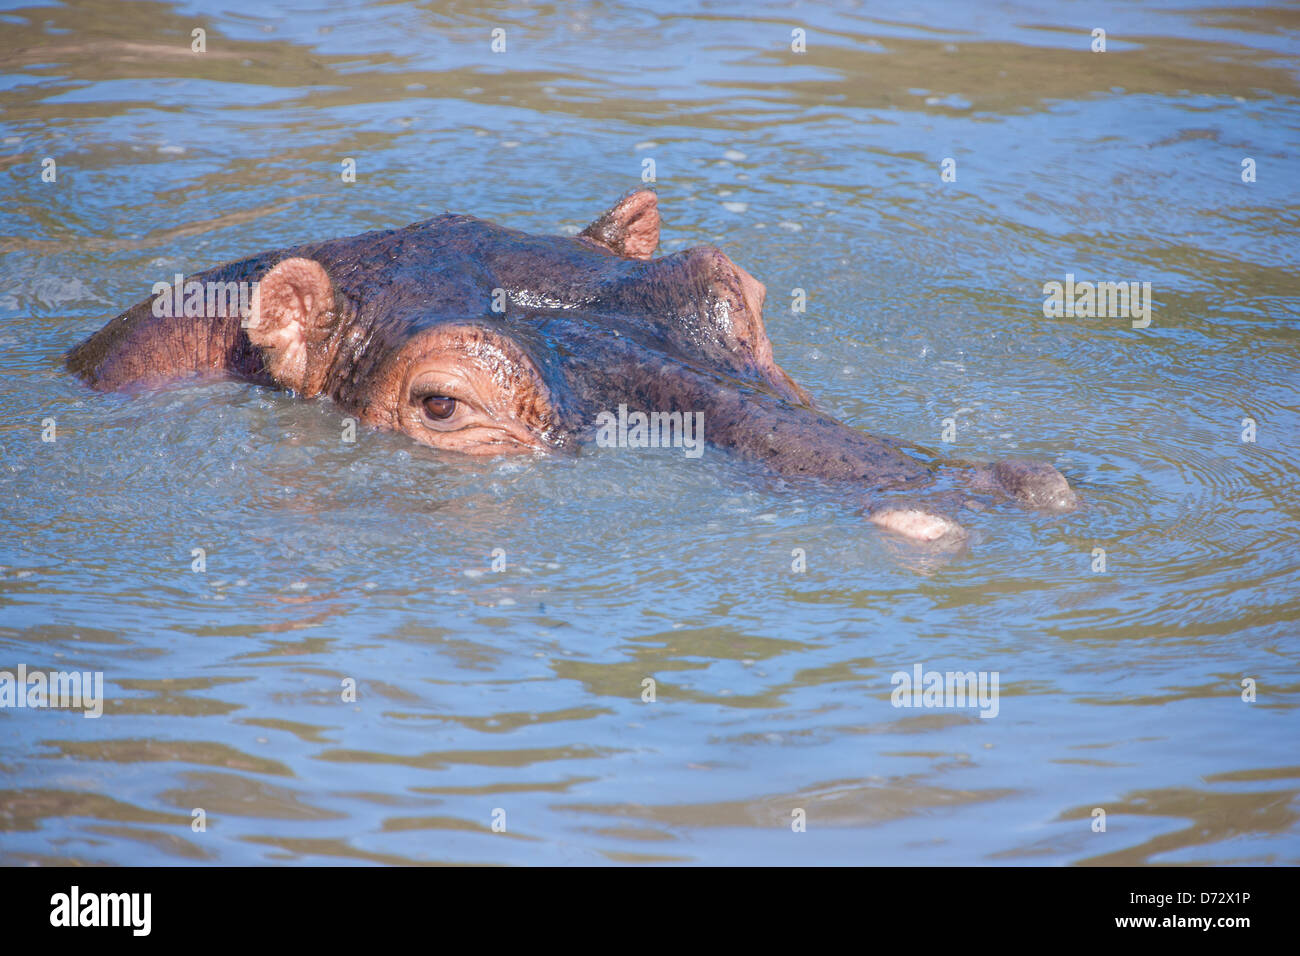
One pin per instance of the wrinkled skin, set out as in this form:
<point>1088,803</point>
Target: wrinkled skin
<point>398,328</point>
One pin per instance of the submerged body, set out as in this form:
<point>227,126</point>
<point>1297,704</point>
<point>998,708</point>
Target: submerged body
<point>481,339</point>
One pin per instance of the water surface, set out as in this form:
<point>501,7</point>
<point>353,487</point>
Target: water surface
<point>516,695</point>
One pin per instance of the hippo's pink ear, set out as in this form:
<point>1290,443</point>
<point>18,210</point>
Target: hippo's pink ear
<point>631,228</point>
<point>289,321</point>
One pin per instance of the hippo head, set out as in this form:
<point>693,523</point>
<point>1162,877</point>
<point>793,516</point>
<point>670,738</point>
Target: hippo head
<point>476,338</point>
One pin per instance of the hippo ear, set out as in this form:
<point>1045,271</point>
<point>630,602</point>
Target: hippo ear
<point>631,228</point>
<point>290,319</point>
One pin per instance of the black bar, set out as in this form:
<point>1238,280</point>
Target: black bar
<point>952,906</point>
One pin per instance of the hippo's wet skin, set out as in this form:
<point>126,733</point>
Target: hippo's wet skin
<point>480,339</point>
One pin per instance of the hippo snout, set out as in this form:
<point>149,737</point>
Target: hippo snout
<point>1034,483</point>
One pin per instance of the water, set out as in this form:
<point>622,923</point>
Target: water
<point>515,696</point>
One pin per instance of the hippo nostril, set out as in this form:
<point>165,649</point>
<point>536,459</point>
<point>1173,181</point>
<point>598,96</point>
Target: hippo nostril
<point>1036,483</point>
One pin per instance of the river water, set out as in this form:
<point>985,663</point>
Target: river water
<point>500,715</point>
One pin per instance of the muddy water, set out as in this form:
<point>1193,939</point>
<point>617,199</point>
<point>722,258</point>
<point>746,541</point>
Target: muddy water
<point>515,697</point>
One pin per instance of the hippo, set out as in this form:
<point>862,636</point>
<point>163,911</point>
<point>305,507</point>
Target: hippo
<point>484,340</point>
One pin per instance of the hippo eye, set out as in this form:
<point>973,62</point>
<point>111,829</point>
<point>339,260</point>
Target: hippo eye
<point>438,408</point>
